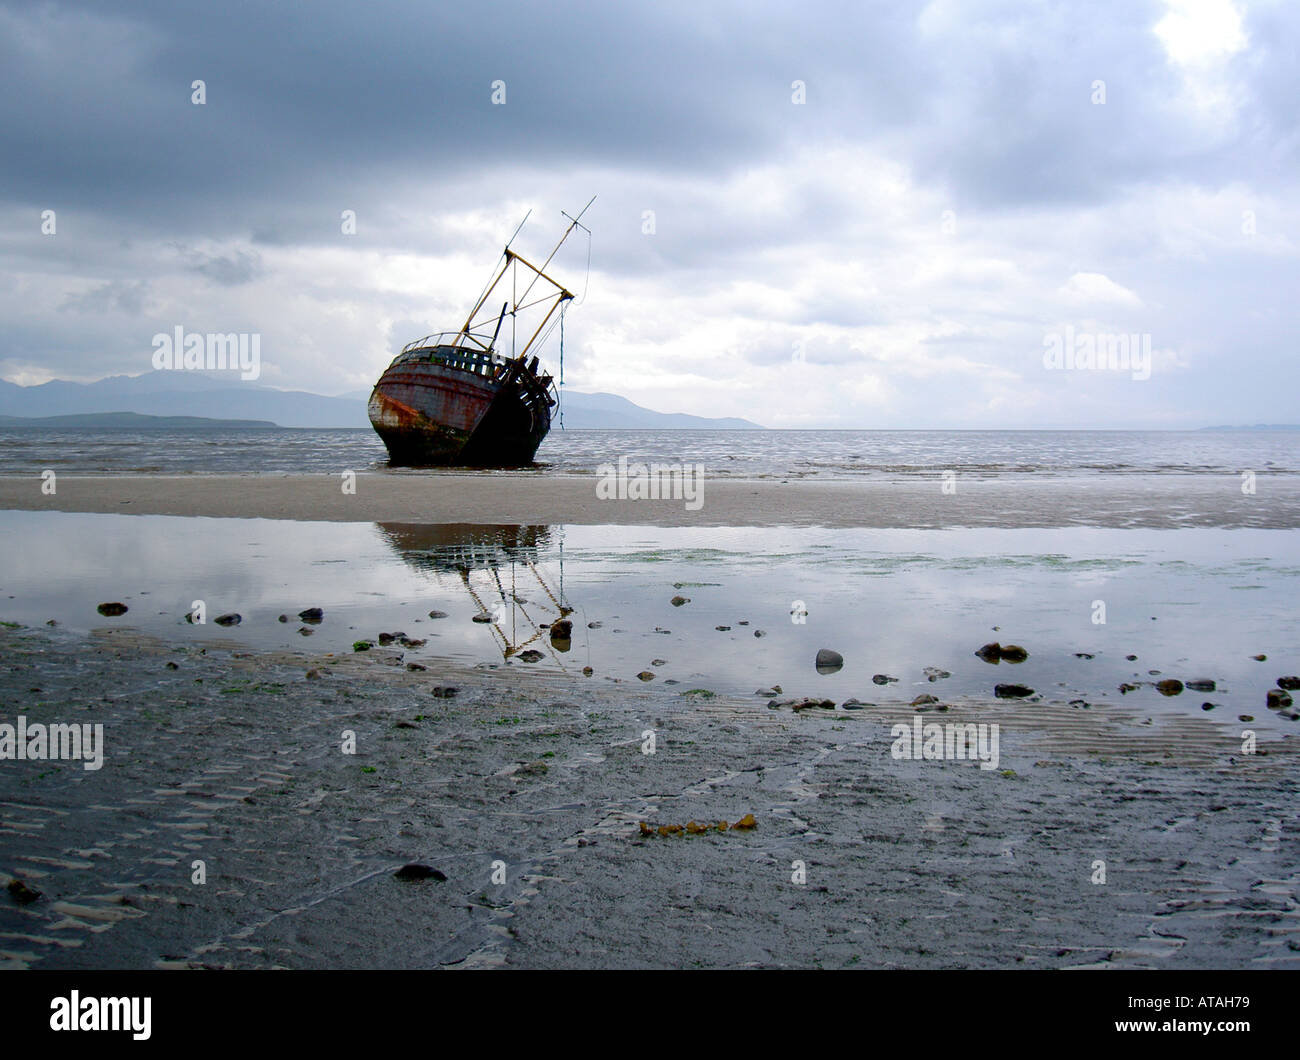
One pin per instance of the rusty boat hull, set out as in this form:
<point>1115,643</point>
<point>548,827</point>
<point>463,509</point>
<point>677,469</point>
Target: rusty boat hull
<point>444,405</point>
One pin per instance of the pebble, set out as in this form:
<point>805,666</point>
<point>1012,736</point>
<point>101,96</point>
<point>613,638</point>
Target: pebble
<point>1012,691</point>
<point>112,610</point>
<point>828,661</point>
<point>416,871</point>
<point>21,893</point>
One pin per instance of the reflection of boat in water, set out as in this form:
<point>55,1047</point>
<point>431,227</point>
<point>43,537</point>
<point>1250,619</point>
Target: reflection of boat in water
<point>466,549</point>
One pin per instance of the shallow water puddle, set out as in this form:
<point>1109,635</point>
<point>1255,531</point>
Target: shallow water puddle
<point>712,609</point>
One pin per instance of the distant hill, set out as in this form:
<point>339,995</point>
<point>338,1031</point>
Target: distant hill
<point>184,395</point>
<point>106,420</point>
<point>593,411</point>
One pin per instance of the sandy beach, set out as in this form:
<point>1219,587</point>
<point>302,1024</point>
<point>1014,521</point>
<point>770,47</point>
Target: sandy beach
<point>1152,501</point>
<point>528,796</point>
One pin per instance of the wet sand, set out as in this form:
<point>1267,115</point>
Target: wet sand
<point>1148,501</point>
<point>234,757</point>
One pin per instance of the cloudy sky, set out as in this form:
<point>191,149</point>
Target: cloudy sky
<point>960,182</point>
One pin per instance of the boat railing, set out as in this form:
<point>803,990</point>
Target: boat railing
<point>445,348</point>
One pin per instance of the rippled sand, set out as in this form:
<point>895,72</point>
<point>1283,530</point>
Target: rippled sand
<point>234,758</point>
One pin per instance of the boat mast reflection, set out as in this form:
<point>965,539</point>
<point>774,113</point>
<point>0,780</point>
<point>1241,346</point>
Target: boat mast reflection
<point>504,553</point>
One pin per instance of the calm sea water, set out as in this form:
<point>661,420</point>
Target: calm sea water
<point>1185,603</point>
<point>736,454</point>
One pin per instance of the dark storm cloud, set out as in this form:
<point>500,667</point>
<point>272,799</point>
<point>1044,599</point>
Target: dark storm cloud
<point>320,102</point>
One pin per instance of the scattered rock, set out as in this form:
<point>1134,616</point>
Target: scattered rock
<point>282,618</point>
<point>530,656</point>
<point>995,653</point>
<point>1012,691</point>
<point>587,671</point>
<point>1260,658</point>
<point>921,701</point>
<point>884,679</point>
<point>828,661</point>
<point>1170,686</point>
<point>645,675</point>
<point>1201,684</point>
<point>314,615</point>
<point>482,616</point>
<point>801,704</point>
<point>1083,655</point>
<point>1131,658</point>
<point>723,629</point>
<point>855,704</point>
<point>1126,687</point>
<point>933,673</point>
<point>112,610</point>
<point>767,693</point>
<point>743,622</point>
<point>594,625</point>
<point>362,645</point>
<point>1080,704</point>
<point>406,725</point>
<point>760,633</point>
<point>416,667</point>
<point>658,662</point>
<point>437,614</point>
<point>21,893</point>
<point>1207,706</point>
<point>172,666</point>
<point>677,601</point>
<point>443,691</point>
<point>1289,683</point>
<point>313,675</point>
<point>416,871</point>
<point>1277,699</point>
<point>231,619</point>
<point>305,631</point>
<point>1245,717</point>
<point>52,622</point>
<point>561,629</point>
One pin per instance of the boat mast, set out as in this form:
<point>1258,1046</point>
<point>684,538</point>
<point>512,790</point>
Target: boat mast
<point>509,263</point>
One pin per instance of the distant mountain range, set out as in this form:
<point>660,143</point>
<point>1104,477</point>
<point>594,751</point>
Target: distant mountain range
<point>180,396</point>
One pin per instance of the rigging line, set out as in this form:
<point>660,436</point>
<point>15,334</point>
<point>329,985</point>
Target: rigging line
<point>560,391</point>
<point>587,278</point>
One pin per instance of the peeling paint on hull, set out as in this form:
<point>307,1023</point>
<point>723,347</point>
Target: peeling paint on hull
<point>436,414</point>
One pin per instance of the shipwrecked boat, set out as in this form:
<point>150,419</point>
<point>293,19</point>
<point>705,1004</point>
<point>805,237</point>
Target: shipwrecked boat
<point>457,398</point>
